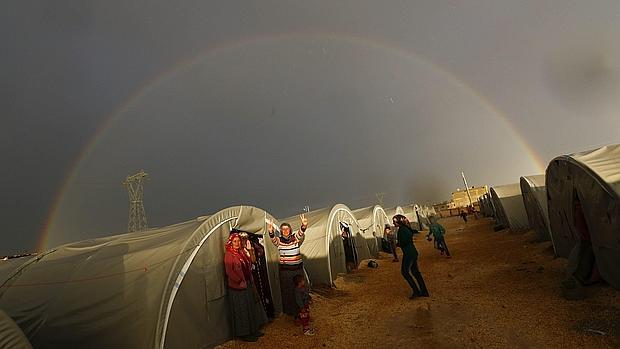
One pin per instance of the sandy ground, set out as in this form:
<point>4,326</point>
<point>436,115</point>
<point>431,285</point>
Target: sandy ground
<point>499,290</point>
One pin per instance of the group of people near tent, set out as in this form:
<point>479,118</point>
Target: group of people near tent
<point>204,281</point>
<point>192,284</point>
<point>248,313</point>
<point>576,205</point>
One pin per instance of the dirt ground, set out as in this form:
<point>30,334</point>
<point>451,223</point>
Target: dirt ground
<point>499,290</point>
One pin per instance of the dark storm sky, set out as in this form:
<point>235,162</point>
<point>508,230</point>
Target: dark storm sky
<point>283,104</point>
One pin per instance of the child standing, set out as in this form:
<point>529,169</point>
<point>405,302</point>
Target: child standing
<point>438,232</point>
<point>303,300</point>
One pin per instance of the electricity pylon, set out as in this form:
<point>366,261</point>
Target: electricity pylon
<point>135,189</point>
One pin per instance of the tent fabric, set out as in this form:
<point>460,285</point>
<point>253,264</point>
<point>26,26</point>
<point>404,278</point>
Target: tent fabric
<point>594,177</point>
<point>487,206</point>
<point>534,192</point>
<point>10,266</point>
<point>410,212</point>
<point>323,249</point>
<point>11,336</point>
<point>509,208</point>
<point>372,221</point>
<point>423,216</point>
<point>393,211</point>
<point>158,288</point>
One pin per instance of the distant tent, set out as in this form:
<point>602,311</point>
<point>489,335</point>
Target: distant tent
<point>411,214</point>
<point>534,193</point>
<point>149,289</point>
<point>509,208</point>
<point>11,336</point>
<point>593,178</point>
<point>372,221</point>
<point>423,216</point>
<point>323,249</point>
<point>393,211</point>
<point>430,210</point>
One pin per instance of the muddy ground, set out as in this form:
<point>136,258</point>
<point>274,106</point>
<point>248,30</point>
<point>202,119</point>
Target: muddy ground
<point>499,290</point>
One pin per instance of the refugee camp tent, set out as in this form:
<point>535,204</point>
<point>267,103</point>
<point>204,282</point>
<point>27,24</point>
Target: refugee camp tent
<point>430,210</point>
<point>411,214</point>
<point>372,221</point>
<point>593,178</point>
<point>11,336</point>
<point>509,208</point>
<point>423,216</point>
<point>534,193</point>
<point>162,287</point>
<point>323,249</point>
<point>393,211</point>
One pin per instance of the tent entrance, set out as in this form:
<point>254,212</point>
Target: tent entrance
<point>586,269</point>
<point>260,273</point>
<point>350,252</point>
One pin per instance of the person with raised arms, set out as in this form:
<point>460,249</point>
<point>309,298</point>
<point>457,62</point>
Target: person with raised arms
<point>291,263</point>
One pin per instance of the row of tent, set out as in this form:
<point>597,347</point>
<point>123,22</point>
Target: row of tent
<point>165,287</point>
<point>547,204</point>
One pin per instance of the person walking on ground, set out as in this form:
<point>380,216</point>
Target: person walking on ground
<point>291,263</point>
<point>438,232</point>
<point>390,235</point>
<point>248,314</point>
<point>464,216</point>
<point>409,267</point>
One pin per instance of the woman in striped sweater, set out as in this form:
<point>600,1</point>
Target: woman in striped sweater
<point>291,264</point>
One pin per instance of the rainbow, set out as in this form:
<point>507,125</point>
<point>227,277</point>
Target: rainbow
<point>190,62</point>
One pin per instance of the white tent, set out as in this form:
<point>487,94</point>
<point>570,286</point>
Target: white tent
<point>534,193</point>
<point>11,336</point>
<point>592,177</point>
<point>372,220</point>
<point>149,289</point>
<point>393,211</point>
<point>323,249</point>
<point>411,214</point>
<point>509,208</point>
<point>423,215</point>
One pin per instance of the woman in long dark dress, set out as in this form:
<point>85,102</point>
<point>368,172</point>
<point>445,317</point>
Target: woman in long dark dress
<point>409,268</point>
<point>248,314</point>
<point>291,263</point>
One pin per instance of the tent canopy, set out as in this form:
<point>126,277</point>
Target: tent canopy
<point>409,211</point>
<point>393,211</point>
<point>149,289</point>
<point>323,249</point>
<point>594,178</point>
<point>11,336</point>
<point>534,193</point>
<point>372,220</point>
<point>509,208</point>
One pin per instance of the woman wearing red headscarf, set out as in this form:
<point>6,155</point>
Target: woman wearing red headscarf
<point>248,314</point>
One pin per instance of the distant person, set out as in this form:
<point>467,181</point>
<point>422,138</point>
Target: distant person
<point>248,313</point>
<point>438,232</point>
<point>303,301</point>
<point>291,263</point>
<point>409,267</point>
<point>390,235</point>
<point>464,215</point>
